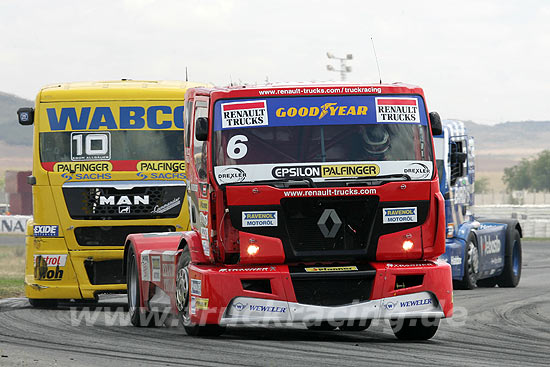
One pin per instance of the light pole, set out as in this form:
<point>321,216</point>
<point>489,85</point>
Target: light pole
<point>343,67</point>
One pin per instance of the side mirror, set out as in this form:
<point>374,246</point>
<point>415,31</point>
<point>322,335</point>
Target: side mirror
<point>25,115</point>
<point>201,129</point>
<point>435,121</point>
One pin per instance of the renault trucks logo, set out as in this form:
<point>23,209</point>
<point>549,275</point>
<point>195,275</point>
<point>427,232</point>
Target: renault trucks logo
<point>329,215</point>
<point>397,110</point>
<point>243,114</point>
<point>232,174</point>
<point>124,200</point>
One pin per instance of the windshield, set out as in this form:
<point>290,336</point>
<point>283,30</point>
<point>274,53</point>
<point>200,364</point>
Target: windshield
<point>321,138</point>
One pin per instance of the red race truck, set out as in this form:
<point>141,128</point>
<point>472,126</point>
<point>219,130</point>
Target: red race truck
<point>314,204</point>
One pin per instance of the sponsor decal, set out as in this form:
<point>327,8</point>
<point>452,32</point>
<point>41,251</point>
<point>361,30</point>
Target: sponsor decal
<point>174,166</point>
<point>491,246</point>
<point>201,303</point>
<point>155,268</point>
<point>456,260</point>
<point>389,305</point>
<point>342,170</point>
<point>129,117</point>
<point>203,205</point>
<point>86,176</point>
<point>399,215</point>
<point>239,306</point>
<point>161,176</point>
<point>204,233</point>
<point>206,247</point>
<point>326,109</point>
<point>397,110</point>
<point>239,114</point>
<point>203,219</point>
<point>331,268</point>
<point>13,223</point>
<point>231,175</point>
<point>165,207</point>
<point>204,189</point>
<point>418,171</point>
<point>496,261</point>
<point>389,265</point>
<point>168,270</point>
<point>259,219</point>
<point>73,167</point>
<point>194,187</point>
<point>193,305</point>
<point>45,231</point>
<point>231,270</point>
<point>168,256</point>
<point>124,200</point>
<point>123,210</point>
<point>169,285</point>
<point>51,260</point>
<point>196,287</point>
<point>259,308</point>
<point>418,302</point>
<point>145,269</point>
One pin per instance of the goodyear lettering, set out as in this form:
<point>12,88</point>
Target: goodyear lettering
<point>83,167</point>
<point>331,109</point>
<point>130,117</point>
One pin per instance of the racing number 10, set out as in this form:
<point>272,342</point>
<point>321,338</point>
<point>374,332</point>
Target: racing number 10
<point>90,146</point>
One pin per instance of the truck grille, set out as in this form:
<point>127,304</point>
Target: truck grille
<point>113,236</point>
<point>140,202</point>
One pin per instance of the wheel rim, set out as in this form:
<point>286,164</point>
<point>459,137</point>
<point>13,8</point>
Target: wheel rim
<point>473,263</point>
<point>132,286</point>
<point>182,292</point>
<point>515,259</point>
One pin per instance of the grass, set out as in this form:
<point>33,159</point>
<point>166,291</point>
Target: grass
<point>12,271</point>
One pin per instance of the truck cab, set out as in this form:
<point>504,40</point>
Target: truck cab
<point>315,204</point>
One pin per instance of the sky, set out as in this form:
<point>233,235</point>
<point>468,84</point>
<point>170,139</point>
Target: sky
<point>481,60</point>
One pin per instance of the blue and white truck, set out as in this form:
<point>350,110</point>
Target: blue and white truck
<point>482,251</point>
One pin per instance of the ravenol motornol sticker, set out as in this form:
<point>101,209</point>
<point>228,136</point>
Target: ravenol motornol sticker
<point>45,231</point>
<point>260,219</point>
<point>397,110</point>
<point>399,215</point>
<point>239,114</point>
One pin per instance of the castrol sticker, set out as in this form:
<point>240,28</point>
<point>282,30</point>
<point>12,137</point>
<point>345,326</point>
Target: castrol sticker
<point>399,215</point>
<point>53,260</point>
<point>244,114</point>
<point>397,110</point>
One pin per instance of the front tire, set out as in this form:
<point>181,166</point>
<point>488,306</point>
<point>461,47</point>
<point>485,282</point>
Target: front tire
<point>471,265</point>
<point>414,329</point>
<point>138,315</point>
<point>183,300</point>
<point>511,273</point>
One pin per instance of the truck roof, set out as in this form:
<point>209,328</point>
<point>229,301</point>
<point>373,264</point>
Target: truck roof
<point>116,89</point>
<point>309,89</point>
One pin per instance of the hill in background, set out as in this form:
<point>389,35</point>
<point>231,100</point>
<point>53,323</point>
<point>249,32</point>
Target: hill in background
<point>11,132</point>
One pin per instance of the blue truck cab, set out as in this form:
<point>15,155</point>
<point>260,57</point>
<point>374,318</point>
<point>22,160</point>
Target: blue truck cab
<point>482,251</point>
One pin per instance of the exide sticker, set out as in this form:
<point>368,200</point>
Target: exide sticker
<point>244,114</point>
<point>45,231</point>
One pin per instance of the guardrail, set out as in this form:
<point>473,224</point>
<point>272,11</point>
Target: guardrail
<point>534,219</point>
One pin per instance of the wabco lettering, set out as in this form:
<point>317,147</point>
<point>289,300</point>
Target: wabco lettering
<point>130,117</point>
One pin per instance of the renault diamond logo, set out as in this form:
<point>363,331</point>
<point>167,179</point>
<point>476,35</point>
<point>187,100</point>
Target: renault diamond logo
<point>336,223</point>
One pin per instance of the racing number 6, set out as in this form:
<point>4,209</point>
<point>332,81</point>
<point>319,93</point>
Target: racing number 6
<point>235,148</point>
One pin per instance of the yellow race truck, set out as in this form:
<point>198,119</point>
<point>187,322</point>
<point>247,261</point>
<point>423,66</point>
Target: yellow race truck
<point>108,161</point>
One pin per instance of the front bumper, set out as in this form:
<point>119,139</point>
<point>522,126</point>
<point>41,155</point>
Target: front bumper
<point>220,296</point>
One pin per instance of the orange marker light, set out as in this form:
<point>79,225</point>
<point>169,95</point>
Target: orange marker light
<point>252,250</point>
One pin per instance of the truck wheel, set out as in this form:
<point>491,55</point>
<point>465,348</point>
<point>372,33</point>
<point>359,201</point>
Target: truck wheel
<point>183,297</point>
<point>471,265</point>
<point>487,283</point>
<point>138,316</point>
<point>414,329</point>
<point>512,263</point>
<point>355,325</point>
<point>43,303</point>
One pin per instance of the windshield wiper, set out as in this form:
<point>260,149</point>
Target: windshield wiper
<point>377,180</point>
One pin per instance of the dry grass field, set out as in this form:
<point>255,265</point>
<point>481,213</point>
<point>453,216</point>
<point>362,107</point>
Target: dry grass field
<point>12,271</point>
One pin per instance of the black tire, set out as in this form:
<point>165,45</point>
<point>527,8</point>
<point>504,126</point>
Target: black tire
<point>320,326</point>
<point>470,264</point>
<point>511,273</point>
<point>43,303</point>
<point>183,299</point>
<point>487,283</point>
<point>138,315</point>
<point>414,329</point>
<point>355,325</point>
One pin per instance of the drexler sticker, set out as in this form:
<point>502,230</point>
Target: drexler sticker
<point>260,219</point>
<point>399,215</point>
<point>244,114</point>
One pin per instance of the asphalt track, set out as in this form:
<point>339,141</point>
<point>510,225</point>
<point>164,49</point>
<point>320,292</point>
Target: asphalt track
<point>491,327</point>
